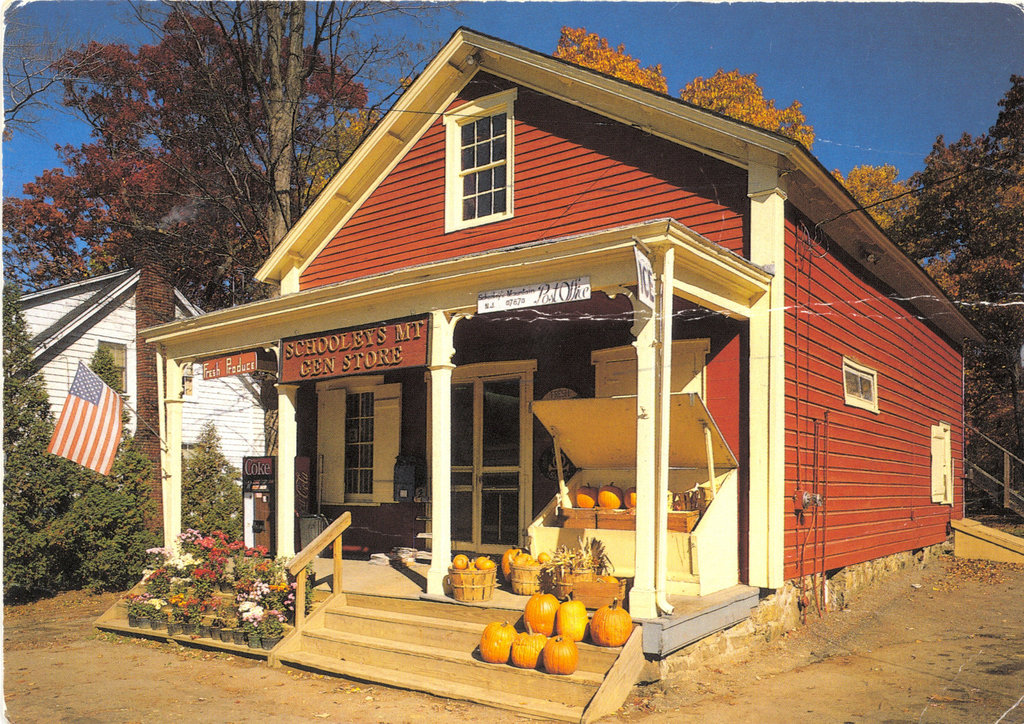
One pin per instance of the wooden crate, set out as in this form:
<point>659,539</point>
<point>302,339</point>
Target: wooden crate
<point>683,521</point>
<point>616,519</point>
<point>595,594</point>
<point>577,517</point>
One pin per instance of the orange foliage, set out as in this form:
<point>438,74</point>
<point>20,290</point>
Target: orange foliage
<point>876,187</point>
<point>739,96</point>
<point>590,50</point>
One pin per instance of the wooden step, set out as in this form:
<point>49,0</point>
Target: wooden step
<point>488,695</point>
<point>449,611</point>
<point>451,635</point>
<point>462,666</point>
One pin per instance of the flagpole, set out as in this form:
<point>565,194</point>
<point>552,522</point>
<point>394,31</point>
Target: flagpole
<point>143,421</point>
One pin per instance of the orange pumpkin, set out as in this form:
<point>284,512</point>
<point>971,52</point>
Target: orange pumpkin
<point>586,497</point>
<point>611,625</point>
<point>496,642</point>
<point>561,656</point>
<point>607,579</point>
<point>631,498</point>
<point>460,562</point>
<point>523,559</point>
<point>526,649</point>
<point>506,561</point>
<point>609,496</point>
<point>540,613</point>
<point>483,563</point>
<point>571,620</point>
<point>544,558</point>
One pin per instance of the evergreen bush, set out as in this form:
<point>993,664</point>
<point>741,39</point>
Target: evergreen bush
<point>211,498</point>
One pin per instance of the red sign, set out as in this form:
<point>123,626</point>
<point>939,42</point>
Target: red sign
<point>344,352</point>
<point>239,363</point>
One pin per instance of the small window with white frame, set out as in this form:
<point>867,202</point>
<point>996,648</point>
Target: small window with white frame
<point>860,385</point>
<point>119,353</point>
<point>479,161</point>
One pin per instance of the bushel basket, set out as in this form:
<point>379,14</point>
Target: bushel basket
<point>471,585</point>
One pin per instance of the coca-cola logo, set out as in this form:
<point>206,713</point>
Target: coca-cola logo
<point>257,467</point>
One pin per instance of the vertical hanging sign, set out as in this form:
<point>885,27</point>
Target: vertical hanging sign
<point>644,278</point>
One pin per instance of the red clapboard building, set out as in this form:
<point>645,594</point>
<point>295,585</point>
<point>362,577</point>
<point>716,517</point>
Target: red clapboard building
<point>528,261</point>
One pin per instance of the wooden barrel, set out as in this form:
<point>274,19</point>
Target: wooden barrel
<point>472,585</point>
<point>525,580</point>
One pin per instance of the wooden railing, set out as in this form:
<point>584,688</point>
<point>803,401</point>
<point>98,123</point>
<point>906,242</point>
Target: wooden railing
<point>331,536</point>
<point>1011,499</point>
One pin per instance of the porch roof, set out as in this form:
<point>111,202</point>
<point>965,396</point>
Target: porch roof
<point>706,274</point>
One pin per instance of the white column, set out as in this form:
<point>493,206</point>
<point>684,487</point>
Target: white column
<point>442,332</point>
<point>286,449</point>
<point>666,296</point>
<point>767,461</point>
<point>642,596</point>
<point>171,487</point>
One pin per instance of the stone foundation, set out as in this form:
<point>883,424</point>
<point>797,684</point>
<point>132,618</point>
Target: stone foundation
<point>783,610</point>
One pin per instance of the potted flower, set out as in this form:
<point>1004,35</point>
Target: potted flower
<point>152,610</point>
<point>271,629</point>
<point>251,614</point>
<point>137,609</point>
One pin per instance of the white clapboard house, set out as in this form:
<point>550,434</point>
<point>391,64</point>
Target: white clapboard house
<point>69,323</point>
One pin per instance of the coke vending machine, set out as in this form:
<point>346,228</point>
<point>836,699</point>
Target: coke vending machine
<point>259,476</point>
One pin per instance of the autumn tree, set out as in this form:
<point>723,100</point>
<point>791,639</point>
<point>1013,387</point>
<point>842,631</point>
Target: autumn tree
<point>205,144</point>
<point>879,190</point>
<point>967,230</point>
<point>738,95</point>
<point>590,50</point>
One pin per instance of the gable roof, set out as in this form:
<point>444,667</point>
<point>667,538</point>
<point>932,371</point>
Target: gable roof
<point>810,186</point>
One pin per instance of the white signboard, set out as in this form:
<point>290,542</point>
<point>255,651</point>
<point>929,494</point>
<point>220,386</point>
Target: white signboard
<point>644,278</point>
<point>533,295</point>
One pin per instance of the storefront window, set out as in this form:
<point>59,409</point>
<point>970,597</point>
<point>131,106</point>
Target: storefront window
<point>359,443</point>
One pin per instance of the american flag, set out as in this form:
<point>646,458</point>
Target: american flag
<point>89,429</point>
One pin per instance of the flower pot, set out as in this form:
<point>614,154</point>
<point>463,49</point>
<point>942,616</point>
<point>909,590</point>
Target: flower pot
<point>270,642</point>
<point>157,624</point>
<point>133,620</point>
<point>174,628</point>
<point>202,631</point>
<point>238,637</point>
<point>215,632</point>
<point>254,641</point>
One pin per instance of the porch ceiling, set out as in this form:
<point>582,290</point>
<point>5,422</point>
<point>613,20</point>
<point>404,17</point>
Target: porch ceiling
<point>706,274</point>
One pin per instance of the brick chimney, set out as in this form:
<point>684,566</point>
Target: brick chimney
<point>154,304</point>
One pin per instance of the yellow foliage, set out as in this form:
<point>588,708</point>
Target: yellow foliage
<point>878,188</point>
<point>336,146</point>
<point>590,50</point>
<point>739,96</point>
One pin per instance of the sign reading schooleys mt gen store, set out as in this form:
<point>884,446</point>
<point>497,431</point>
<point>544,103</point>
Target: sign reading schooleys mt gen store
<point>356,350</point>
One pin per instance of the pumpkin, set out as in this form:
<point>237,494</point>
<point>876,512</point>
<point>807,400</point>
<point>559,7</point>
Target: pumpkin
<point>607,579</point>
<point>496,642</point>
<point>609,496</point>
<point>506,561</point>
<point>460,562</point>
<point>611,625</point>
<point>526,649</point>
<point>540,613</point>
<point>631,498</point>
<point>560,656</point>
<point>483,563</point>
<point>523,559</point>
<point>544,558</point>
<point>586,497</point>
<point>571,620</point>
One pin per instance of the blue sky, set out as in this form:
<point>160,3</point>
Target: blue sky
<point>878,81</point>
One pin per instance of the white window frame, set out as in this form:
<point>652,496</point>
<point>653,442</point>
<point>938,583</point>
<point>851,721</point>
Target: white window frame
<point>122,347</point>
<point>942,463</point>
<point>387,401</point>
<point>454,119</point>
<point>854,399</point>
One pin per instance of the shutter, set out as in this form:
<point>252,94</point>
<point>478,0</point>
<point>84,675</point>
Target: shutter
<point>330,445</point>
<point>387,426</point>
<point>942,464</point>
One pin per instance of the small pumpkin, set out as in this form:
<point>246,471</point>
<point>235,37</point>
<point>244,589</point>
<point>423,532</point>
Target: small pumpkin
<point>630,497</point>
<point>483,563</point>
<point>560,656</point>
<point>460,562</point>
<point>496,642</point>
<point>506,561</point>
<point>586,497</point>
<point>611,625</point>
<point>607,579</point>
<point>544,558</point>
<point>571,620</point>
<point>540,613</point>
<point>527,648</point>
<point>609,496</point>
<point>524,559</point>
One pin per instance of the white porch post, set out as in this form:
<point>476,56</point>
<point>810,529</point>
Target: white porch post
<point>171,484</point>
<point>442,347</point>
<point>767,461</point>
<point>286,449</point>
<point>666,292</point>
<point>642,596</point>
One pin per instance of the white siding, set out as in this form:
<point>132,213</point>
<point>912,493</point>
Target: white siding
<point>234,410</point>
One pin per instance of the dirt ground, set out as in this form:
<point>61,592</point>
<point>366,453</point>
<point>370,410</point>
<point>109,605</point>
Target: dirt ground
<point>941,645</point>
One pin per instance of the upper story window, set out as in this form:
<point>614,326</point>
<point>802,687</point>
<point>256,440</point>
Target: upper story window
<point>860,385</point>
<point>478,161</point>
<point>119,353</point>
